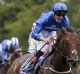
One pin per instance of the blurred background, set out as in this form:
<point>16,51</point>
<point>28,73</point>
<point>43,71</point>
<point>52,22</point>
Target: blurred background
<point>17,16</point>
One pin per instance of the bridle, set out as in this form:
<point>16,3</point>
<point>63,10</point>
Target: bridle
<point>53,70</point>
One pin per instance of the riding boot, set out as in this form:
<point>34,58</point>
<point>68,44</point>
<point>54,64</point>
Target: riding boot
<point>35,59</point>
<point>30,65</point>
<point>40,62</point>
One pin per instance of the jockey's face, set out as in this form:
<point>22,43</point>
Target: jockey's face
<point>59,16</point>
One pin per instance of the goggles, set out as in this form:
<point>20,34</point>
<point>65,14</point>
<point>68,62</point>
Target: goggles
<point>60,13</point>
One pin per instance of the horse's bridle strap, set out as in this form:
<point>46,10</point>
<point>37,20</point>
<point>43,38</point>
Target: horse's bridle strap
<point>49,68</point>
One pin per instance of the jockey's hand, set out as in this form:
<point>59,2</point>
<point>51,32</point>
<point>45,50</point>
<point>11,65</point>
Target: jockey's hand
<point>46,40</point>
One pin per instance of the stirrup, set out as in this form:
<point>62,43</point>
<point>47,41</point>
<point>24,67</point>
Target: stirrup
<point>31,66</point>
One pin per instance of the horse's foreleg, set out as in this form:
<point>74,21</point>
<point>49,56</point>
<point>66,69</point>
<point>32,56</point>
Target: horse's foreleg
<point>73,71</point>
<point>78,70</point>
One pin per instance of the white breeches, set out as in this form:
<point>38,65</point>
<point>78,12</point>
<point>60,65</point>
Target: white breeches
<point>35,45</point>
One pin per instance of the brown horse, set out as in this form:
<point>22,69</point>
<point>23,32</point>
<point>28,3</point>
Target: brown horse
<point>16,65</point>
<point>63,61</point>
<point>59,62</point>
<point>5,67</point>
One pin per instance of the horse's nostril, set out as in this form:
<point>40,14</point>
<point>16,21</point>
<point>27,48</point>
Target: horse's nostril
<point>74,52</point>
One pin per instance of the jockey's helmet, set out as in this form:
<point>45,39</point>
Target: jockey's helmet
<point>59,7</point>
<point>15,42</point>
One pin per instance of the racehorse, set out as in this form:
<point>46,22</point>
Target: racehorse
<point>5,67</point>
<point>16,65</point>
<point>61,62</point>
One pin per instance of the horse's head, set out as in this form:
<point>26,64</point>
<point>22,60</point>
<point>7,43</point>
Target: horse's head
<point>14,56</point>
<point>68,44</point>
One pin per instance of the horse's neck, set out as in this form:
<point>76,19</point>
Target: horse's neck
<point>58,61</point>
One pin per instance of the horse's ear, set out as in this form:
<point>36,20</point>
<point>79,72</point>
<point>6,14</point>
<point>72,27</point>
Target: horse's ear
<point>64,30</point>
<point>78,30</point>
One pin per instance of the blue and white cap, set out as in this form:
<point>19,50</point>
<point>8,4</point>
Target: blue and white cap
<point>8,42</point>
<point>59,6</point>
<point>15,42</point>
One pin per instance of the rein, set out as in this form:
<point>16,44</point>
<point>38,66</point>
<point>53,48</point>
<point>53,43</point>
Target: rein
<point>53,70</point>
<point>49,68</point>
<point>58,51</point>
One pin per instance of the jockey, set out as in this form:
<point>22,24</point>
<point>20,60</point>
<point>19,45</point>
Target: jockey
<point>7,48</point>
<point>34,44</point>
<point>46,24</point>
